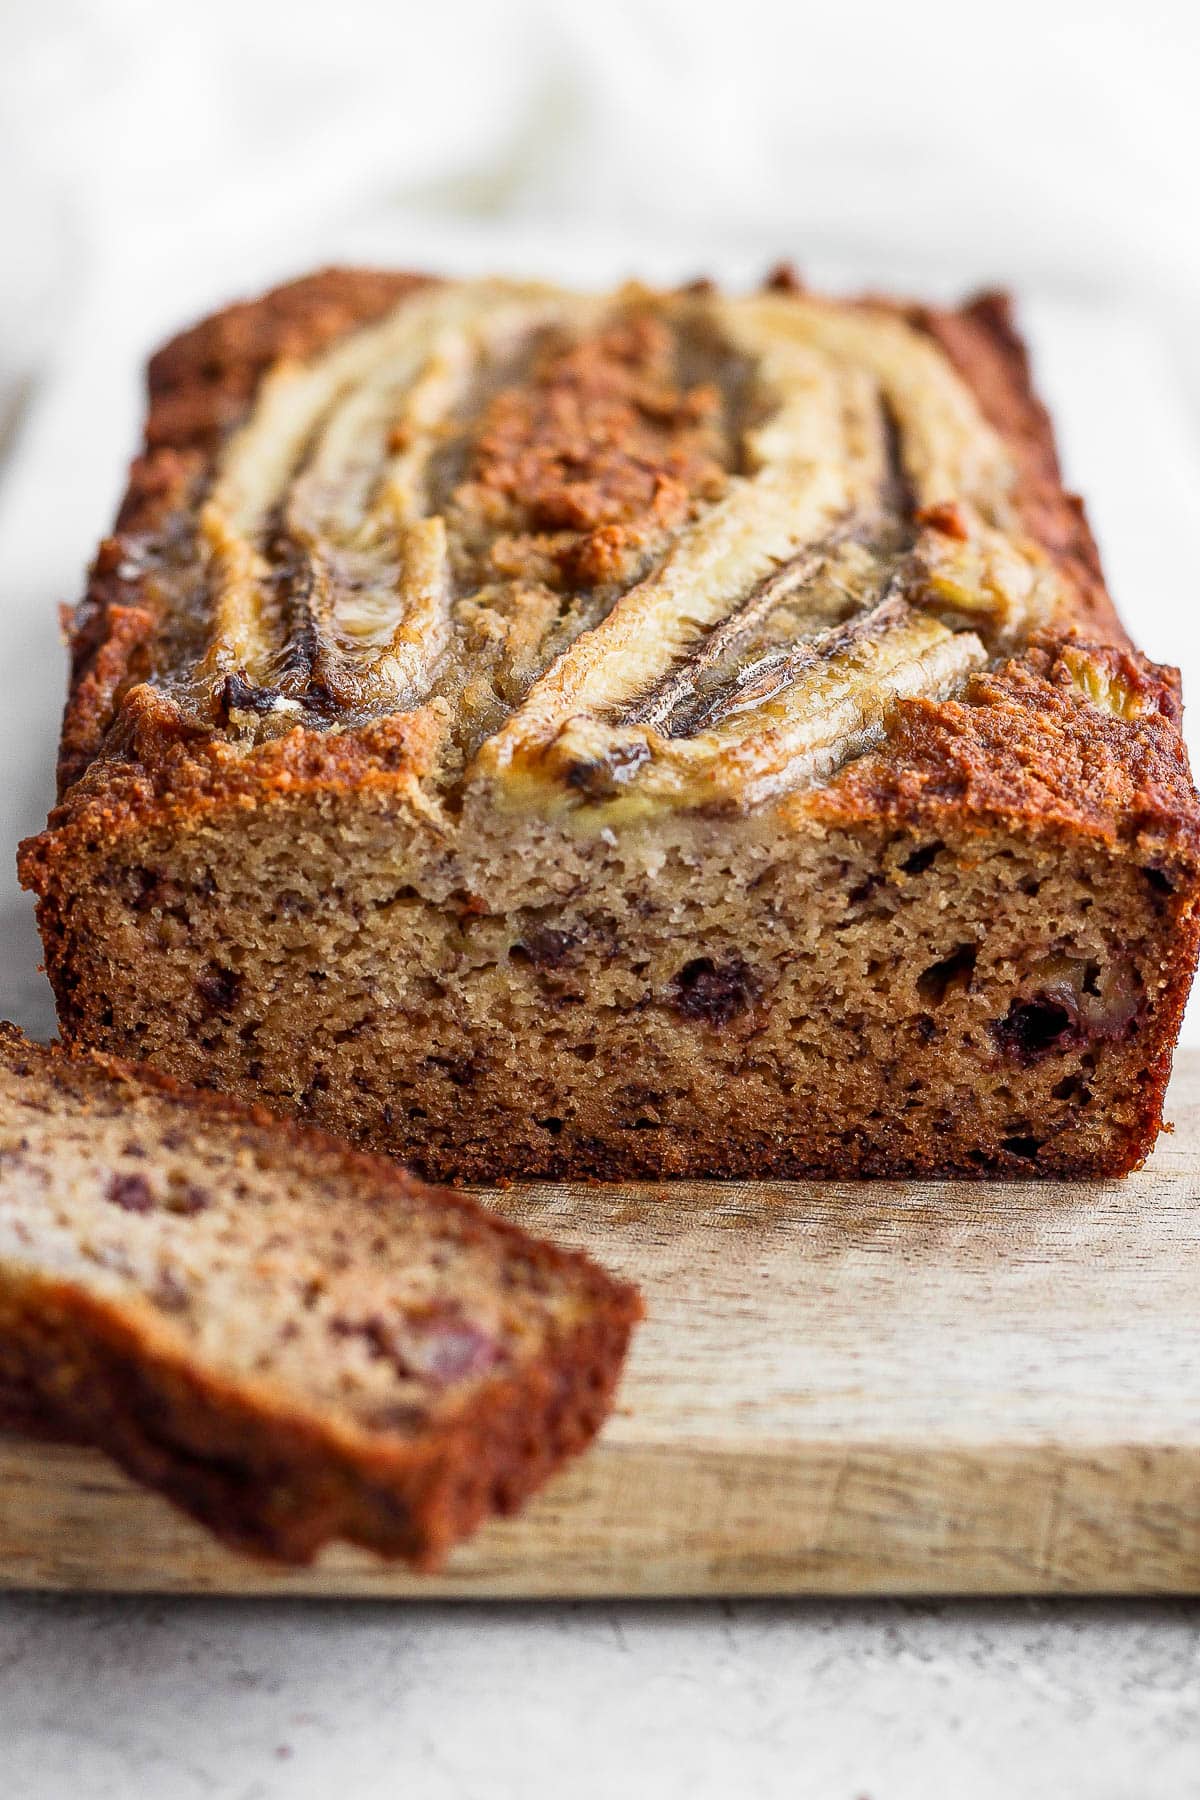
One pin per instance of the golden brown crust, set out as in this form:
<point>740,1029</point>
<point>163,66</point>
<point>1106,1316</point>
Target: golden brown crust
<point>1026,745</point>
<point>280,1483</point>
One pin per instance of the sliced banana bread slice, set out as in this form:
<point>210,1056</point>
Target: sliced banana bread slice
<point>292,1341</point>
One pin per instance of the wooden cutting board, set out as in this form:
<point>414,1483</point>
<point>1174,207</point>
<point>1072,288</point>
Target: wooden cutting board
<point>839,1388</point>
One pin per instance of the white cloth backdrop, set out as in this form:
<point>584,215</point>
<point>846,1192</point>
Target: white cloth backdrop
<point>157,158</point>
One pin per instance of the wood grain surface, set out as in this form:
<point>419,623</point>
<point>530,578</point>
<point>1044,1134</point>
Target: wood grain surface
<point>839,1388</point>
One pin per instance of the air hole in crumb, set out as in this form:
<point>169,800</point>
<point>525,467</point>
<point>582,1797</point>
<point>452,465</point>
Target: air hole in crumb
<point>922,859</point>
<point>1025,1147</point>
<point>1072,1088</point>
<point>1161,883</point>
<point>1091,978</point>
<point>955,970</point>
<point>553,1126</point>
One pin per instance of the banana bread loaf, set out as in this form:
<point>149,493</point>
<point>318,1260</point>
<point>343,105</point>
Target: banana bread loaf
<point>647,734</point>
<point>291,1340</point>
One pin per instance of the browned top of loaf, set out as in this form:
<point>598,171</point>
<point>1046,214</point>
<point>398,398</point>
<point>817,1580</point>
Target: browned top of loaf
<point>557,458</point>
<point>594,458</point>
<point>1073,737</point>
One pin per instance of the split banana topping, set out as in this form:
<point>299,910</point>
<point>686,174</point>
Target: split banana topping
<point>629,552</point>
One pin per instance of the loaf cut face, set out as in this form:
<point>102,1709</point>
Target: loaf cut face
<point>656,733</point>
<point>291,1340</point>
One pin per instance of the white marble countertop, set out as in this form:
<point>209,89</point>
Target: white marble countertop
<point>124,1699</point>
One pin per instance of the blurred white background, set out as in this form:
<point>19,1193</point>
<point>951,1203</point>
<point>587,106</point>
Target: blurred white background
<point>1054,143</point>
<point>158,157</point>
